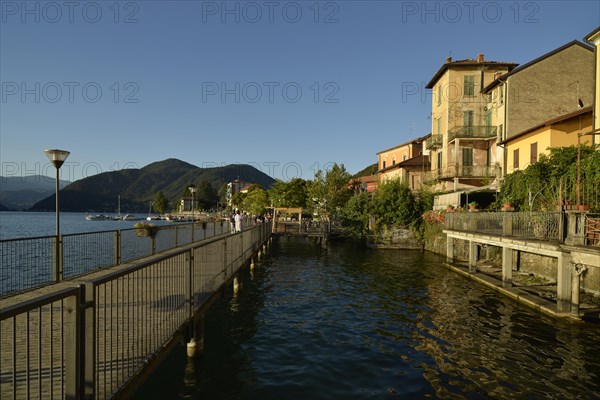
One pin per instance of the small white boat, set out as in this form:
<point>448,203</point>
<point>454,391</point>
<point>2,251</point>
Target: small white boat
<point>97,217</point>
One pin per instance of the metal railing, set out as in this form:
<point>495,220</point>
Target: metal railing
<point>93,339</point>
<point>28,263</point>
<point>301,228</point>
<point>522,225</point>
<point>471,132</point>
<point>592,229</point>
<point>452,171</point>
<point>434,141</point>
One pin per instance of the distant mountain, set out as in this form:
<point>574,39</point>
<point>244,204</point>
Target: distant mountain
<point>370,170</point>
<point>136,187</point>
<point>20,193</point>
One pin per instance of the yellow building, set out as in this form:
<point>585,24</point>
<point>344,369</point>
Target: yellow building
<point>525,148</point>
<point>463,136</point>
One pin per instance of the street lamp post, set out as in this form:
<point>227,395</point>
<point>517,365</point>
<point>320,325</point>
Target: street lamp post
<point>57,158</point>
<point>192,189</point>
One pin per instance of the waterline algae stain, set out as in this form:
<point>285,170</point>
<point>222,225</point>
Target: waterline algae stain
<point>357,323</point>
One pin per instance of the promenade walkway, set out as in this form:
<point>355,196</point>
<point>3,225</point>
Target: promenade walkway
<point>99,335</point>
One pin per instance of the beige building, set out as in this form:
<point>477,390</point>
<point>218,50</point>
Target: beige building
<point>407,162</point>
<point>525,148</point>
<point>551,86</point>
<point>463,137</point>
<point>594,39</point>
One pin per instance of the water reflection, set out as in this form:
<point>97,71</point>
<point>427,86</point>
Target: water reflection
<point>358,323</point>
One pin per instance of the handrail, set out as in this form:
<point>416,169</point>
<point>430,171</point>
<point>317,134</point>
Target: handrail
<point>93,336</point>
<point>27,263</point>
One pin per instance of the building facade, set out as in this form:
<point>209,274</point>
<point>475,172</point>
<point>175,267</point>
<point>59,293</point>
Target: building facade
<point>463,137</point>
<point>407,162</point>
<point>549,87</point>
<point>526,147</point>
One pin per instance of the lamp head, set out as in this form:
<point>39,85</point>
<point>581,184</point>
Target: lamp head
<point>57,157</point>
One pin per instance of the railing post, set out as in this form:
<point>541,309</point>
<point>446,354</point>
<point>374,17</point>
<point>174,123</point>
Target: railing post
<point>192,232</point>
<point>72,354</point>
<point>56,263</point>
<point>176,236</point>
<point>190,296</point>
<point>117,247</point>
<point>88,337</point>
<point>225,260</point>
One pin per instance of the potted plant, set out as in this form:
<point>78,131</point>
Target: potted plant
<point>144,229</point>
<point>450,208</point>
<point>507,202</point>
<point>472,205</point>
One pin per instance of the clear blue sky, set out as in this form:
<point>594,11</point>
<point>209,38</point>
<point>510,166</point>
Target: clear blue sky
<point>285,86</point>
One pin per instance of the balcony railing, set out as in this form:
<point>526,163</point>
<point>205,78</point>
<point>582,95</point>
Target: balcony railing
<point>471,132</point>
<point>434,141</point>
<point>461,171</point>
<point>523,225</point>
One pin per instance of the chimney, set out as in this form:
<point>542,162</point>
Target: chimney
<point>480,58</point>
<point>448,60</point>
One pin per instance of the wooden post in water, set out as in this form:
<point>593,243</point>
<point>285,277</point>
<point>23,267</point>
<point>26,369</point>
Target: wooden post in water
<point>507,265</point>
<point>564,282</point>
<point>472,256</point>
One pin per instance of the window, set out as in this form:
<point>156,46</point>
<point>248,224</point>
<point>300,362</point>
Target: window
<point>383,165</point>
<point>500,132</point>
<point>439,162</point>
<point>501,89</point>
<point>534,153</point>
<point>516,159</point>
<point>469,85</point>
<point>467,157</point>
<point>394,160</point>
<point>438,126</point>
<point>404,157</point>
<point>488,117</point>
<point>468,121</point>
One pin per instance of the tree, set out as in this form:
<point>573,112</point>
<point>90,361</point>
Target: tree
<point>554,177</point>
<point>355,215</point>
<point>289,194</point>
<point>394,204</point>
<point>330,191</point>
<point>160,203</point>
<point>256,200</point>
<point>237,200</point>
<point>206,194</point>
<point>222,194</point>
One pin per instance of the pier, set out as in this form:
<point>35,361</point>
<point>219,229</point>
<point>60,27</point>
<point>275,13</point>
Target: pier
<point>99,335</point>
<point>571,238</point>
<point>287,221</point>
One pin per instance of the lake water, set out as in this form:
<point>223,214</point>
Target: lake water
<point>19,224</point>
<point>352,323</point>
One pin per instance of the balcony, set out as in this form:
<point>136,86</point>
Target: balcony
<point>471,132</point>
<point>433,142</point>
<point>462,172</point>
